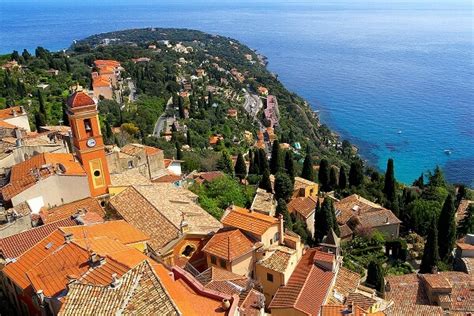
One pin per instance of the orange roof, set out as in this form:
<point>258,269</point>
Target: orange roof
<point>106,70</point>
<point>106,62</point>
<point>214,139</point>
<point>152,150</point>
<point>249,221</point>
<point>78,99</point>
<point>340,310</point>
<point>4,124</point>
<point>307,287</point>
<point>23,174</point>
<point>302,205</point>
<point>186,296</point>
<point>229,245</point>
<point>101,81</point>
<point>15,245</point>
<point>8,112</point>
<point>67,210</point>
<point>117,230</point>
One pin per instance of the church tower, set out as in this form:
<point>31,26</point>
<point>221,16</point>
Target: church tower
<point>87,141</point>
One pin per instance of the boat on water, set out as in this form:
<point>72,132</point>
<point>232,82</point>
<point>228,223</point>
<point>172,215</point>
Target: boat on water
<point>399,132</point>
<point>448,151</point>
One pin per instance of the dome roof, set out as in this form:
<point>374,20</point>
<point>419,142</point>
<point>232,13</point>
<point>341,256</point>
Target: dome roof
<point>78,99</point>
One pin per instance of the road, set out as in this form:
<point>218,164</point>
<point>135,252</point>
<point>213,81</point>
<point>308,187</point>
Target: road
<point>160,123</point>
<point>252,103</point>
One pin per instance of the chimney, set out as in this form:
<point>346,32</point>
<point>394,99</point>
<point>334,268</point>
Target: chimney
<point>14,113</point>
<point>281,229</point>
<point>40,295</point>
<point>22,109</point>
<point>68,237</point>
<point>18,143</point>
<point>225,304</point>
<point>18,134</point>
<point>94,258</point>
<point>115,281</point>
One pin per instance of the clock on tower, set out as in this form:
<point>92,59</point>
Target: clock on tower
<point>87,141</point>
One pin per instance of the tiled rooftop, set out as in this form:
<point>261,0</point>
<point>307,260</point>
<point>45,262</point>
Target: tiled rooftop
<point>307,287</point>
<point>249,221</point>
<point>139,292</point>
<point>278,260</point>
<point>305,206</point>
<point>67,210</point>
<point>15,245</point>
<point>128,178</point>
<point>346,282</point>
<point>229,244</point>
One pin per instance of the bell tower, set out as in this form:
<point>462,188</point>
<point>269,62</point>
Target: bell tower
<point>87,141</point>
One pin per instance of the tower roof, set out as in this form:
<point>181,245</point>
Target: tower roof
<point>79,99</point>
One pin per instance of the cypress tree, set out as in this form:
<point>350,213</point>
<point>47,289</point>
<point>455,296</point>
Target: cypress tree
<point>420,182</point>
<point>181,107</point>
<point>253,168</point>
<point>283,210</point>
<point>333,179</point>
<point>430,254</point>
<point>263,161</point>
<point>225,164</point>
<point>375,276</point>
<point>283,186</point>
<point>179,153</point>
<point>323,175</point>
<point>26,55</point>
<point>42,107</point>
<point>290,165</point>
<point>265,183</point>
<point>317,219</point>
<point>189,139</point>
<point>324,220</point>
<point>39,120</point>
<point>240,167</point>
<point>466,225</point>
<point>356,175</point>
<point>390,183</point>
<point>342,178</point>
<point>447,228</point>
<point>308,172</point>
<point>275,160</point>
<point>68,65</point>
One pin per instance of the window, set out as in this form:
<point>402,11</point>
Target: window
<point>276,237</point>
<point>269,277</point>
<point>213,260</point>
<point>188,251</point>
<point>88,127</point>
<point>223,263</point>
<point>130,164</point>
<point>97,173</point>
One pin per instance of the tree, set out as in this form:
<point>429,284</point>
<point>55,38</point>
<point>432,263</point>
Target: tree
<point>466,225</point>
<point>181,108</point>
<point>436,179</point>
<point>67,63</point>
<point>324,220</point>
<point>390,183</point>
<point>308,171</point>
<point>283,210</point>
<point>420,182</point>
<point>189,139</point>
<point>240,167</point>
<point>42,107</point>
<point>283,186</point>
<point>225,163</point>
<point>253,167</point>
<point>179,153</point>
<point>375,276</point>
<point>342,178</point>
<point>333,179</point>
<point>356,175</point>
<point>290,165</point>
<point>275,160</point>
<point>263,161</point>
<point>15,56</point>
<point>26,55</point>
<point>447,228</point>
<point>323,175</point>
<point>40,120</point>
<point>265,183</point>
<point>430,257</point>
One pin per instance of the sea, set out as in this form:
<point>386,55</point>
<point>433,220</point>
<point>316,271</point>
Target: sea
<point>395,77</point>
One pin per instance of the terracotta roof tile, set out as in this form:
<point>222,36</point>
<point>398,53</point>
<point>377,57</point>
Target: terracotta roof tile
<point>25,174</point>
<point>229,244</point>
<point>79,99</point>
<point>249,221</point>
<point>307,287</point>
<point>118,230</point>
<point>15,245</point>
<point>67,210</point>
<point>363,301</point>
<point>303,205</point>
<point>346,282</point>
<point>277,261</point>
<point>213,274</point>
<point>404,309</point>
<point>208,176</point>
<point>252,304</point>
<point>8,112</point>
<point>136,210</point>
<point>106,62</point>
<point>140,292</point>
<point>101,81</point>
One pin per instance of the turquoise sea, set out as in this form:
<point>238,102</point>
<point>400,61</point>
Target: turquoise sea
<point>394,77</point>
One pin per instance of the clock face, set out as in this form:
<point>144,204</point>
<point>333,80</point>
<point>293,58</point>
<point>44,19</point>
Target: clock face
<point>91,142</point>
